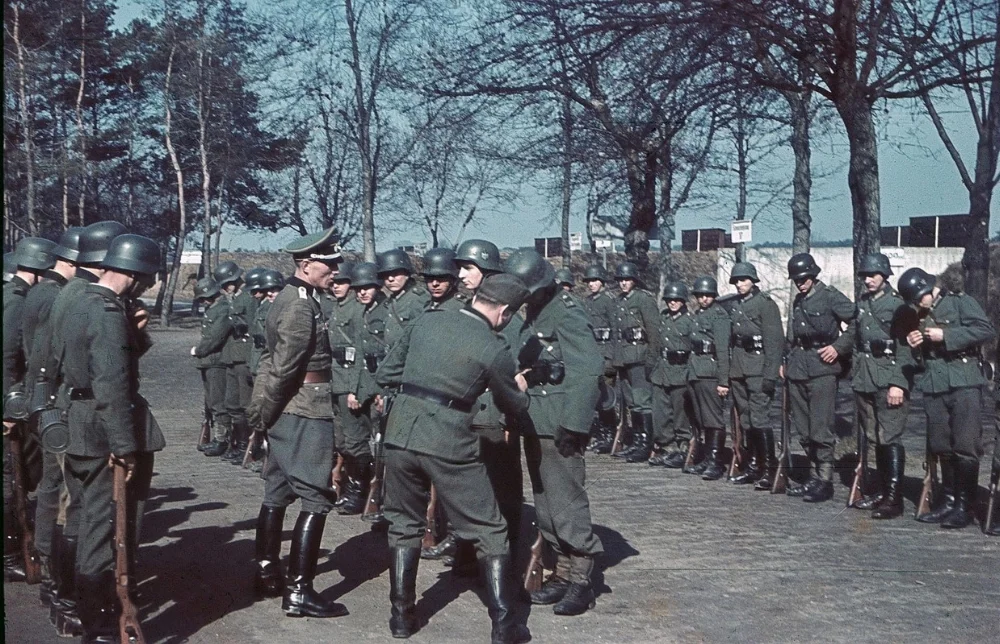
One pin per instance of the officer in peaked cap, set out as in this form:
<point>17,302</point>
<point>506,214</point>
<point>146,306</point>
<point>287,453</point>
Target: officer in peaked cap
<point>292,402</point>
<point>216,328</point>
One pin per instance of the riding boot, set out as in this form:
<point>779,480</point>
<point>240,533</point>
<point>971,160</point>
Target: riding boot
<point>54,571</point>
<point>242,441</point>
<point>496,571</point>
<point>822,491</point>
<point>356,489</point>
<point>643,445</point>
<point>554,588</point>
<point>715,440</point>
<point>579,597</point>
<point>63,613</point>
<point>948,480</point>
<point>765,454</point>
<point>98,608</point>
<point>444,548</point>
<point>13,560</point>
<point>698,461</point>
<point>299,598</point>
<point>892,460</point>
<point>753,471</point>
<point>966,490</point>
<point>675,460</point>
<point>403,591</point>
<point>269,582</point>
<point>882,467</point>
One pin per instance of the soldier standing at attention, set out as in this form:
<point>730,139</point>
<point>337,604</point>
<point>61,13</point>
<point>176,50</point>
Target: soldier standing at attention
<point>440,275</point>
<point>708,381</point>
<point>406,300</point>
<point>636,345</point>
<point>564,278</point>
<point>816,344</point>
<point>292,402</point>
<point>601,308</point>
<point>265,288</point>
<point>110,424</point>
<point>477,259</point>
<point>556,342</point>
<point>671,406</point>
<point>236,356</point>
<point>994,530</point>
<point>882,377</point>
<point>216,327</point>
<point>951,329</point>
<point>755,362</point>
<point>428,442</point>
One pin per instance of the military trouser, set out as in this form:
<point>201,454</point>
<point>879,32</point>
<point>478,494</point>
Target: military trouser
<point>638,393</point>
<point>562,507</point>
<point>299,463</point>
<point>50,489</point>
<point>463,490</point>
<point>708,405</point>
<point>503,467</point>
<point>95,479</point>
<point>882,424</point>
<point>239,388</point>
<point>812,405</point>
<point>954,422</point>
<point>672,416</point>
<point>752,404</point>
<point>215,400</point>
<point>352,429</point>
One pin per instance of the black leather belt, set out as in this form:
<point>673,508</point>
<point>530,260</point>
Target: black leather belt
<point>703,348</point>
<point>749,342</point>
<point>674,357</point>
<point>435,397</point>
<point>812,342</point>
<point>81,393</point>
<point>878,347</point>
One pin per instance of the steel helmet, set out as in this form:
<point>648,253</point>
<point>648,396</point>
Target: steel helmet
<point>69,244</point>
<point>531,267</point>
<point>485,255</point>
<point>227,273</point>
<point>133,254</point>
<point>564,276</point>
<point>706,286</point>
<point>95,239</point>
<point>595,272</point>
<point>627,271</point>
<point>206,288</point>
<point>365,274</point>
<point>915,283</point>
<point>270,279</point>
<point>675,291</point>
<point>344,272</point>
<point>439,261</point>
<point>743,270</point>
<point>801,266</point>
<point>875,264</point>
<point>35,254</point>
<point>394,259</point>
<point>253,276</point>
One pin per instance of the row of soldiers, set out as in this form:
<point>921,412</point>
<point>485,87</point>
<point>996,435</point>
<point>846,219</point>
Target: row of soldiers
<point>74,330</point>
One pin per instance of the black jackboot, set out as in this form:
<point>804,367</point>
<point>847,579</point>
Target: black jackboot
<point>496,571</point>
<point>715,441</point>
<point>966,490</point>
<point>13,560</point>
<point>891,461</point>
<point>753,472</point>
<point>241,441</point>
<point>98,608</point>
<point>765,455</point>
<point>579,597</point>
<point>54,571</point>
<point>268,581</point>
<point>444,548</point>
<point>403,591</point>
<point>356,488</point>
<point>948,480</point>
<point>643,444</point>
<point>300,599</point>
<point>63,613</point>
<point>823,490</point>
<point>554,588</point>
<point>698,461</point>
<point>882,467</point>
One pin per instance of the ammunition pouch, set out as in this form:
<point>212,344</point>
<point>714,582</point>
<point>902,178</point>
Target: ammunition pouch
<point>240,328</point>
<point>15,404</point>
<point>53,432</point>
<point>546,372</point>
<point>675,357</point>
<point>372,360</point>
<point>634,334</point>
<point>602,334</point>
<point>345,355</point>
<point>752,343</point>
<point>703,348</point>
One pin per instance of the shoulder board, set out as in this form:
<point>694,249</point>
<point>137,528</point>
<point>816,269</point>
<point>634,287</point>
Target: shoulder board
<point>649,293</point>
<point>461,297</point>
<point>418,290</point>
<point>567,299</point>
<point>765,296</point>
<point>303,293</point>
<point>111,306</point>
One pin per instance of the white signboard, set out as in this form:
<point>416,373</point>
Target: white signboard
<point>896,255</point>
<point>420,248</point>
<point>604,243</point>
<point>742,231</point>
<point>576,241</point>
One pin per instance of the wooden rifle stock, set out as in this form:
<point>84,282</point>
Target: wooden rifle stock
<point>930,479</point>
<point>619,433</point>
<point>337,476</point>
<point>373,504</point>
<point>430,539</point>
<point>991,505</point>
<point>129,628</point>
<point>861,470</point>
<point>32,566</point>
<point>206,420</point>
<point>533,575</point>
<point>739,458</point>
<point>251,446</point>
<point>780,484</point>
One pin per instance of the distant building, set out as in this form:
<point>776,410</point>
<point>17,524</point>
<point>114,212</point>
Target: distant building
<point>705,239</point>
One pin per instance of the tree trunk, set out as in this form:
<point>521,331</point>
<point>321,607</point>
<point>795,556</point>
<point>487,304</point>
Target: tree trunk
<point>798,104</point>
<point>206,174</point>
<point>175,267</point>
<point>363,138</point>
<point>567,176</point>
<point>741,179</point>
<point>976,258</point>
<point>641,176</point>
<point>28,135</point>
<point>862,178</point>
<point>80,129</point>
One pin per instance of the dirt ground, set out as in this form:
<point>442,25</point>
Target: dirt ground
<point>685,560</point>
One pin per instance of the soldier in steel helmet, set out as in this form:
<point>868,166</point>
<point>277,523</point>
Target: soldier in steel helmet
<point>428,442</point>
<point>708,376</point>
<point>600,306</point>
<point>236,356</point>
<point>882,378</point>
<point>636,345</point>
<point>216,328</point>
<point>672,411</point>
<point>476,259</point>
<point>564,278</point>
<point>264,289</point>
<point>440,273</point>
<point>951,330</point>
<point>110,422</point>
<point>405,298</point>
<point>993,528</point>
<point>555,343</point>
<point>33,257</point>
<point>816,344</point>
<point>755,360</point>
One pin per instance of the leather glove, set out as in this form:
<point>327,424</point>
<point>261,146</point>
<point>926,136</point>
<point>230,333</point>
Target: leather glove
<point>570,443</point>
<point>767,387</point>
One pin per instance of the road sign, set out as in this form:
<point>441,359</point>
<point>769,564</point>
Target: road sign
<point>742,231</point>
<point>604,243</point>
<point>897,256</point>
<point>576,241</point>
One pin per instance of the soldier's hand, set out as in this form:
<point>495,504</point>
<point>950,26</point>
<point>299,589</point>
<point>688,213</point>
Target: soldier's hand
<point>895,396</point>
<point>140,317</point>
<point>127,461</point>
<point>781,372</point>
<point>914,339</point>
<point>570,444</point>
<point>722,391</point>
<point>8,427</point>
<point>193,352</point>
<point>522,382</point>
<point>379,403</point>
<point>828,354</point>
<point>934,334</point>
<point>352,402</point>
<point>767,387</point>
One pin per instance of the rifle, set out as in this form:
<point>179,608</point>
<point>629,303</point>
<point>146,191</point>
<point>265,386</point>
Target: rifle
<point>255,443</point>
<point>692,449</point>
<point>992,503</point>
<point>780,484</point>
<point>32,566</point>
<point>129,629</point>
<point>739,457</point>
<point>376,493</point>
<point>622,423</point>
<point>337,476</point>
<point>533,575</point>
<point>206,420</point>
<point>930,480</point>
<point>861,470</point>
<point>430,529</point>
